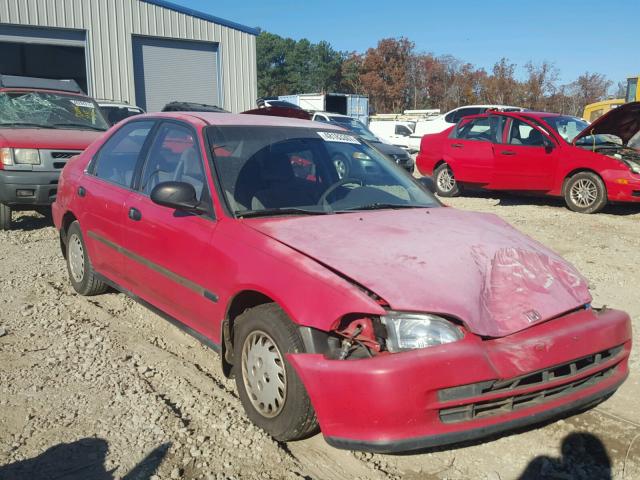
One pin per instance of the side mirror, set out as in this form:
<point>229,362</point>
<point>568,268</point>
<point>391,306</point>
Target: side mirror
<point>549,146</point>
<point>178,195</point>
<point>427,182</point>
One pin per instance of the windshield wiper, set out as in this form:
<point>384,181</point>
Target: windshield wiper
<point>25,124</point>
<point>280,211</point>
<point>380,206</point>
<point>82,125</point>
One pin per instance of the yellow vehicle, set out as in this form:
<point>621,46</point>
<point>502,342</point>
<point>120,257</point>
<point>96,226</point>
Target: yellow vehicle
<point>597,109</point>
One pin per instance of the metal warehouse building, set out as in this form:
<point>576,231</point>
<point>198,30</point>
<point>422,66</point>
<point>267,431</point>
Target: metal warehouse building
<point>147,52</point>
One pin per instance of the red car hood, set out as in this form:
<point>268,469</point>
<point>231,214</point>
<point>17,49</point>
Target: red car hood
<point>50,139</point>
<point>623,122</point>
<point>472,266</point>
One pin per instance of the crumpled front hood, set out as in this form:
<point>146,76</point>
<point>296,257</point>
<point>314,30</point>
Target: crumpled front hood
<point>623,122</point>
<point>472,266</point>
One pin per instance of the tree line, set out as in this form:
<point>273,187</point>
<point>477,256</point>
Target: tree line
<point>397,77</point>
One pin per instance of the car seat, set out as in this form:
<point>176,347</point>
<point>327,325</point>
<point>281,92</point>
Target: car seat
<point>284,189</point>
<point>189,170</point>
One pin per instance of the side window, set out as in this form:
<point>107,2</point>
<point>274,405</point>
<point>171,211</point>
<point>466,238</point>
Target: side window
<point>320,118</point>
<point>452,117</point>
<point>174,156</point>
<point>116,161</point>
<point>522,133</point>
<point>403,130</point>
<point>477,129</point>
<point>457,115</point>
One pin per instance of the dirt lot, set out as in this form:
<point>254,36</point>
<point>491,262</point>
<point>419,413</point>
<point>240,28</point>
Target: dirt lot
<point>101,388</point>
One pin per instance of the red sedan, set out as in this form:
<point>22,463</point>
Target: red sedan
<point>540,153</point>
<point>354,303</point>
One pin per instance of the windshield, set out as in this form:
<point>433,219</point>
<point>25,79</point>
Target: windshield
<point>50,110</point>
<point>285,170</point>
<point>569,127</point>
<point>356,127</point>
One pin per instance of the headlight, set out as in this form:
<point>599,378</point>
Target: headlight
<point>408,331</point>
<point>27,156</point>
<point>634,166</point>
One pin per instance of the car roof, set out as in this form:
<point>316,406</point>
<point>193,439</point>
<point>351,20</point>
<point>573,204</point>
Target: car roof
<point>535,115</point>
<point>240,119</point>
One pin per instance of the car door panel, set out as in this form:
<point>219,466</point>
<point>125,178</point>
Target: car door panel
<point>166,248</point>
<point>103,191</point>
<point>520,166</point>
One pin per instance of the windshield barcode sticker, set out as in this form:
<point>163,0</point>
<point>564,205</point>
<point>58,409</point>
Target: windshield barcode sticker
<point>338,137</point>
<point>80,103</point>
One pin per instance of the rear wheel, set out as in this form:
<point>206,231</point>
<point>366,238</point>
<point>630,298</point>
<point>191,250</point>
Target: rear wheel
<point>585,192</point>
<point>446,185</point>
<point>270,391</point>
<point>5,217</point>
<point>81,272</point>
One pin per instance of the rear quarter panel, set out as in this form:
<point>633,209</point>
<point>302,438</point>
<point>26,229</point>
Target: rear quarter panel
<point>431,151</point>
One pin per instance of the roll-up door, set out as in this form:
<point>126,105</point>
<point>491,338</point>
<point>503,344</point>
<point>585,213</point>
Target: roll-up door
<point>169,70</point>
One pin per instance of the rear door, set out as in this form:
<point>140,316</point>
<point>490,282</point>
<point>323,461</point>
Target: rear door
<point>470,148</point>
<point>103,191</point>
<point>168,255</point>
<point>526,160</point>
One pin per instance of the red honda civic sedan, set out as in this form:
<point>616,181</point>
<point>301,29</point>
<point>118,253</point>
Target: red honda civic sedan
<point>540,153</point>
<point>357,303</point>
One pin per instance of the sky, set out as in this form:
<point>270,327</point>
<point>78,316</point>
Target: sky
<point>577,36</point>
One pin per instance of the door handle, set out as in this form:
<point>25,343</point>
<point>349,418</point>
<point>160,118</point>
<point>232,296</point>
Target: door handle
<point>134,214</point>
<point>82,192</point>
<point>457,145</point>
<point>508,152</point>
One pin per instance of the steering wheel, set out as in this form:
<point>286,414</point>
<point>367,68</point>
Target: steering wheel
<point>332,188</point>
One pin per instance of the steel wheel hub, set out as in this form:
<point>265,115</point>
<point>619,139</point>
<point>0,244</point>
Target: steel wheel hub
<point>446,181</point>
<point>584,193</point>
<point>76,258</point>
<point>263,374</point>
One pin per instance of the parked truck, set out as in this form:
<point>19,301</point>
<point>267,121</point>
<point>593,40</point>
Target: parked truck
<point>595,110</point>
<point>356,106</point>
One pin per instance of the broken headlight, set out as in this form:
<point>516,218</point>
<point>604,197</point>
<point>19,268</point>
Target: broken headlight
<point>634,166</point>
<point>408,331</point>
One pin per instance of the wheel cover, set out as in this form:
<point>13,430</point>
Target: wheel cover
<point>584,193</point>
<point>76,258</point>
<point>446,181</point>
<point>341,167</point>
<point>263,374</point>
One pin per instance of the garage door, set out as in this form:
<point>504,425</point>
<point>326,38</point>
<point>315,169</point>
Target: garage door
<point>44,53</point>
<point>175,70</point>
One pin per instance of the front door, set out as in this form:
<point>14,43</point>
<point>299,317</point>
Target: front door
<point>104,189</point>
<point>526,160</point>
<point>168,249</point>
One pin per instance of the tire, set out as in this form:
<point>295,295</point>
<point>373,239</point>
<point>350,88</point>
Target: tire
<point>5,217</point>
<point>81,272</point>
<point>446,185</point>
<point>585,192</point>
<point>285,413</point>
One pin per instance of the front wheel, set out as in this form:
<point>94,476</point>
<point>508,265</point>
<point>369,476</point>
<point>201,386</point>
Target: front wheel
<point>81,273</point>
<point>270,391</point>
<point>5,217</point>
<point>446,185</point>
<point>585,192</point>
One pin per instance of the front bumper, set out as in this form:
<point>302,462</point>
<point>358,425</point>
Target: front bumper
<point>38,188</point>
<point>622,186</point>
<point>442,395</point>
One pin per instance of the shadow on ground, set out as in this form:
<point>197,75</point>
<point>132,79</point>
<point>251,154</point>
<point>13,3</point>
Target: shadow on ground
<point>80,460</point>
<point>28,221</point>
<point>583,456</point>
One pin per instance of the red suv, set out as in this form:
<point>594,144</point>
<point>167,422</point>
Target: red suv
<point>540,153</point>
<point>356,302</point>
<point>43,123</point>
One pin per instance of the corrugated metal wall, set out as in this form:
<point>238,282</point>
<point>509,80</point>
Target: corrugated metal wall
<point>110,24</point>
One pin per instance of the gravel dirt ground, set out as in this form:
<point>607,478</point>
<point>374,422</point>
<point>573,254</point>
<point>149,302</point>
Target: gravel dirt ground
<point>101,388</point>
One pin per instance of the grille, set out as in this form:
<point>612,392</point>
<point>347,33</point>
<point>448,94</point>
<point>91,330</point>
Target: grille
<point>565,371</point>
<point>58,155</point>
<point>477,410</point>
